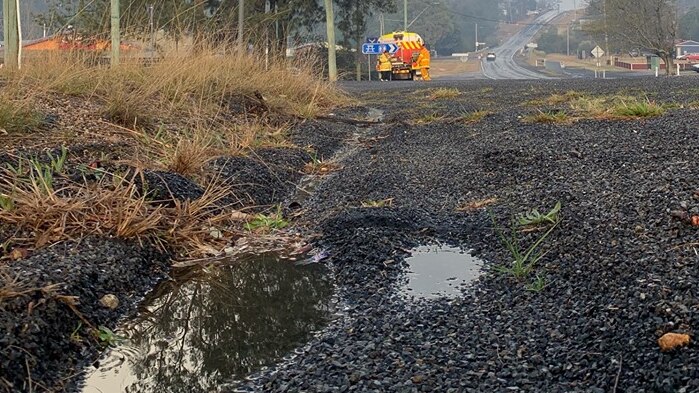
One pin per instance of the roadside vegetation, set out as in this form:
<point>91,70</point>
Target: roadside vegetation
<point>443,93</point>
<point>176,115</point>
<point>524,259</point>
<point>573,106</point>
<point>476,116</point>
<point>553,116</point>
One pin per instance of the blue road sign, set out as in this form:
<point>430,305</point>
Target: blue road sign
<point>376,48</point>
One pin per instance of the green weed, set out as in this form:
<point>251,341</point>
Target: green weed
<point>379,203</point>
<point>444,93</point>
<point>107,337</point>
<point>263,222</point>
<point>638,109</point>
<point>523,260</point>
<point>17,117</point>
<point>475,117</point>
<point>6,203</point>
<point>538,284</point>
<point>429,118</point>
<point>533,217</point>
<point>547,117</point>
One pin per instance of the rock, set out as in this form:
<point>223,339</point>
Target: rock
<point>671,341</point>
<point>109,301</point>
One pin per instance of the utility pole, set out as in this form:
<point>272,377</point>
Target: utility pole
<point>476,37</point>
<point>568,39</point>
<point>606,34</point>
<point>12,34</point>
<point>330,29</point>
<point>241,21</point>
<point>268,8</point>
<point>152,28</point>
<point>405,15</point>
<point>116,39</point>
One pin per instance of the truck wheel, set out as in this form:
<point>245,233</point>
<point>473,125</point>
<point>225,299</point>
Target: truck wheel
<point>412,75</point>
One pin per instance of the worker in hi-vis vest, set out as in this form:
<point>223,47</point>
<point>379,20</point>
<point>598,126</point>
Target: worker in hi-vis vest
<point>384,66</point>
<point>423,62</point>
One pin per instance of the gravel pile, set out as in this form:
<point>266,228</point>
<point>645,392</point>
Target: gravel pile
<point>620,271</point>
<point>43,343</point>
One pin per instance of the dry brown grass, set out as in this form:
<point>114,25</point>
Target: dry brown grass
<point>175,114</point>
<point>181,92</point>
<point>477,204</point>
<point>444,93</point>
<point>42,212</point>
<point>186,83</point>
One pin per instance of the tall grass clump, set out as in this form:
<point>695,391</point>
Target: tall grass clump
<point>195,85</point>
<point>547,117</point>
<point>43,211</point>
<point>18,116</point>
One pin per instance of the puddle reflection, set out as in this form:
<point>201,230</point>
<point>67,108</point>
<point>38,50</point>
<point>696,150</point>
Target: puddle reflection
<point>224,325</point>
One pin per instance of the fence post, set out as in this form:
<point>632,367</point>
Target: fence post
<point>116,39</point>
<point>10,12</point>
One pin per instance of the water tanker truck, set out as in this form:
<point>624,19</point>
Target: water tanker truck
<point>404,64</point>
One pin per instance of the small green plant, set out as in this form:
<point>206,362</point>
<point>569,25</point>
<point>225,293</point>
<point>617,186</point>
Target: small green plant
<point>444,93</point>
<point>6,203</point>
<point>638,109</point>
<point>533,217</point>
<point>523,260</point>
<point>380,203</point>
<point>538,284</point>
<point>75,336</point>
<point>57,163</point>
<point>16,117</point>
<point>546,117</point>
<point>475,117</point>
<point>429,118</point>
<point>107,337</point>
<point>272,221</point>
<point>556,99</point>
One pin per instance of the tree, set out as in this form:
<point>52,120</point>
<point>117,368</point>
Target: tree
<point>352,22</point>
<point>433,22</point>
<point>646,24</point>
<point>208,21</point>
<point>689,24</point>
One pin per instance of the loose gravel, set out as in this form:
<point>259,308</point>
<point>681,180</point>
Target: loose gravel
<point>620,271</point>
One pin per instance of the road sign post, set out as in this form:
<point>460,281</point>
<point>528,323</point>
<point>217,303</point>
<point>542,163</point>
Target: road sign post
<point>376,48</point>
<point>370,40</point>
<point>597,52</point>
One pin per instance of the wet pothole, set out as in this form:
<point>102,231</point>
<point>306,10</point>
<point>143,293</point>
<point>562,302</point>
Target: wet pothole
<point>439,271</point>
<point>217,327</point>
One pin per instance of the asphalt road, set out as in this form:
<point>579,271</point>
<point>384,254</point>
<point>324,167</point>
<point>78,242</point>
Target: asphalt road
<point>505,67</point>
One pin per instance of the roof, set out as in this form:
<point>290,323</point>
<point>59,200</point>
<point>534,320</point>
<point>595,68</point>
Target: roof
<point>688,43</point>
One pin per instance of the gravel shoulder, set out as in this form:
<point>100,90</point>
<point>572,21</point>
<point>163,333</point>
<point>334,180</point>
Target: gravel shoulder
<point>51,309</point>
<point>620,270</point>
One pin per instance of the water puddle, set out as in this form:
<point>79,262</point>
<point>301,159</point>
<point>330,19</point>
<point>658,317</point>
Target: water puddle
<point>375,115</point>
<point>217,327</point>
<point>435,271</point>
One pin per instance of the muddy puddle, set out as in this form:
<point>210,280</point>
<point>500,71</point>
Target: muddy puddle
<point>218,326</point>
<point>439,270</point>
